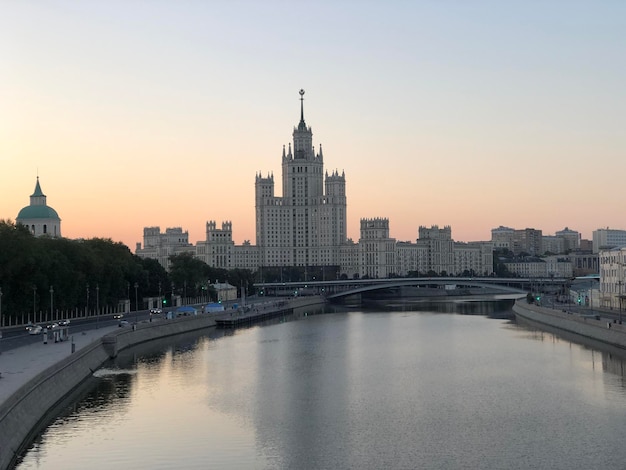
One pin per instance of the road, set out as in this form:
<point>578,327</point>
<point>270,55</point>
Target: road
<point>611,315</point>
<point>14,337</point>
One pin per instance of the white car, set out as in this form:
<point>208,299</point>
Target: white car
<point>35,330</point>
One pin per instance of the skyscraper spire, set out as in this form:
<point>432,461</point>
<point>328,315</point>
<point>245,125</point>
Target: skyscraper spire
<point>302,125</point>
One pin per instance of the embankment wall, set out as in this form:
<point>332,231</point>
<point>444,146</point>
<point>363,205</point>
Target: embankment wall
<point>27,407</point>
<point>602,330</point>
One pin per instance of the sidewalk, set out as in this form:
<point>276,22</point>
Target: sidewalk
<point>19,365</point>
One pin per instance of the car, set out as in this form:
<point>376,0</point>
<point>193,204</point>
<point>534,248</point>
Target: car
<point>118,316</point>
<point>64,322</point>
<point>51,326</point>
<point>155,311</point>
<point>35,330</point>
<point>123,323</point>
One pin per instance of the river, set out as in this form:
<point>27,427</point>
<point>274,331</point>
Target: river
<point>432,386</point>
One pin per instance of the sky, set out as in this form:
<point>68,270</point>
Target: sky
<point>472,114</point>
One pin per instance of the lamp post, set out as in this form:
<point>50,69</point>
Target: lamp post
<point>619,298</point>
<point>51,303</point>
<point>159,301</point>
<point>87,306</point>
<point>97,305</point>
<point>34,304</point>
<point>128,294</point>
<point>136,304</point>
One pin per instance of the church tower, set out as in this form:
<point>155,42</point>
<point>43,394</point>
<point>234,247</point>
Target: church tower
<point>39,217</point>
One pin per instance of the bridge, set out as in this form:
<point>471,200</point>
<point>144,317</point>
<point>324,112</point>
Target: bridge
<point>444,285</point>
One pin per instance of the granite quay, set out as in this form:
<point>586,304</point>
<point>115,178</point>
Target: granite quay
<point>592,326</point>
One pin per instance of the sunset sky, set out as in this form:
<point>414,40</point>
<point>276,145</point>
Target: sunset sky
<point>472,114</point>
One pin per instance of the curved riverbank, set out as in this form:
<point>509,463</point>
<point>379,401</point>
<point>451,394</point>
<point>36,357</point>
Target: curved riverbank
<point>594,328</point>
<point>23,411</point>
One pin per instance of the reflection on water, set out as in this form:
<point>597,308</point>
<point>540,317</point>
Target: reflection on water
<point>414,387</point>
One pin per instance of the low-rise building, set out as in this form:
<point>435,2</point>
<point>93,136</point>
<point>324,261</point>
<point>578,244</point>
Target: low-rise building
<point>612,277</point>
<point>225,292</point>
<point>550,266</point>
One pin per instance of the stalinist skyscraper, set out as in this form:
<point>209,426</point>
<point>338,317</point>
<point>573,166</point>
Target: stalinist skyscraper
<point>306,226</point>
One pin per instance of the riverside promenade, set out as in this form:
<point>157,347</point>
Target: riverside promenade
<point>20,365</point>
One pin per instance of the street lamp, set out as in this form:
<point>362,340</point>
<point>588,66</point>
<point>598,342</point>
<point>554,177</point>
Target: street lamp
<point>97,304</point>
<point>51,303</point>
<point>619,298</point>
<point>159,304</point>
<point>34,304</point>
<point>87,307</point>
<point>136,304</point>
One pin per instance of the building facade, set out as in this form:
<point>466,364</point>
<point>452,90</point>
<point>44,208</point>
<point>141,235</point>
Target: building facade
<point>306,225</point>
<point>550,266</point>
<point>528,240</point>
<point>571,239</point>
<point>606,238</point>
<point>502,237</point>
<point>160,246</point>
<point>612,277</point>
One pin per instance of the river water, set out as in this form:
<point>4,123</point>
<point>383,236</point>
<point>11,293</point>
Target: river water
<point>441,386</point>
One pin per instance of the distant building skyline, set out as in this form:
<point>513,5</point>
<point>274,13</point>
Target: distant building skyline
<point>306,228</point>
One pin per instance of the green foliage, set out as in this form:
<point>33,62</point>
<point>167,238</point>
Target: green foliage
<point>30,266</point>
<point>191,276</point>
<point>188,274</point>
<point>499,268</point>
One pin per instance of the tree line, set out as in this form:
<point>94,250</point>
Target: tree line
<point>40,273</point>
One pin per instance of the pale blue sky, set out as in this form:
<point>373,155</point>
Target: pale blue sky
<point>461,113</point>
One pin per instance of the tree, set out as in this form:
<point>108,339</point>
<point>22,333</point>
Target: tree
<point>187,270</point>
<point>30,267</point>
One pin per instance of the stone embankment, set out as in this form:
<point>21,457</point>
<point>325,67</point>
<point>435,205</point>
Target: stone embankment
<point>589,326</point>
<point>23,412</point>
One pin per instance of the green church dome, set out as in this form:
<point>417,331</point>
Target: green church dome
<point>37,212</point>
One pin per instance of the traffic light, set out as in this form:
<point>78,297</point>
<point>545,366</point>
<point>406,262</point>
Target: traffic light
<point>164,302</point>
